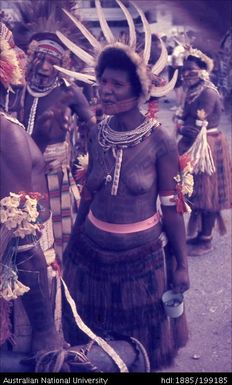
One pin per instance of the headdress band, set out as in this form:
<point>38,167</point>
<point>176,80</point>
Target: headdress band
<point>50,47</point>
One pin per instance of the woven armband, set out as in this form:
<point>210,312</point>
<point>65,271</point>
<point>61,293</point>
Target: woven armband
<point>199,123</point>
<point>168,200</point>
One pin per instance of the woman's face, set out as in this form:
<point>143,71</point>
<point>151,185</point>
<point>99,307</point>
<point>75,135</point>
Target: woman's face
<point>114,90</point>
<point>191,73</point>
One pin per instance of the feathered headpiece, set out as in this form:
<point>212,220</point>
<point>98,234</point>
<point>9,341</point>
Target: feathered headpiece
<point>145,73</point>
<point>12,59</point>
<point>189,51</point>
<point>39,21</point>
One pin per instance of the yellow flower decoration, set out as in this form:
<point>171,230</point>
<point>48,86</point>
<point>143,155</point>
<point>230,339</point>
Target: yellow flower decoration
<point>201,114</point>
<point>20,213</point>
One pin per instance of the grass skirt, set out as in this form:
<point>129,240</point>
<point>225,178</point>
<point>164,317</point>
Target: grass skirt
<point>214,192</point>
<point>120,292</point>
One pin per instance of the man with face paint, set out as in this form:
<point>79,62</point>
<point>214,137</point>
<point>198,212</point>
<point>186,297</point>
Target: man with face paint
<point>207,146</point>
<point>45,107</point>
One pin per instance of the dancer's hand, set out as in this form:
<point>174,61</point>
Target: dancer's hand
<point>180,280</point>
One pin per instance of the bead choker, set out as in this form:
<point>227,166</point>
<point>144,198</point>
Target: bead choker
<point>119,140</point>
<point>40,94</point>
<point>122,139</point>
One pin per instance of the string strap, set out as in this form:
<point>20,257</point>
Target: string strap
<point>117,171</point>
<point>100,341</point>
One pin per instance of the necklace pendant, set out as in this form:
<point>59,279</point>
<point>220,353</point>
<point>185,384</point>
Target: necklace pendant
<point>108,178</point>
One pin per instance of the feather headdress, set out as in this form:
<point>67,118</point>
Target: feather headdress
<point>139,59</point>
<point>39,20</point>
<point>12,59</point>
<point>189,51</point>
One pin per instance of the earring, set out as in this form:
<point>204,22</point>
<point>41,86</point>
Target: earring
<point>204,75</point>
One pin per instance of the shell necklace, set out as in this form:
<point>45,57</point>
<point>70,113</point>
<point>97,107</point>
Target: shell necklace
<point>36,95</point>
<point>193,93</point>
<point>119,140</point>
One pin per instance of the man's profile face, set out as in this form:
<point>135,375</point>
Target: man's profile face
<point>42,73</point>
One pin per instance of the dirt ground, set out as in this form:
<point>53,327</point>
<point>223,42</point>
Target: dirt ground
<point>208,301</point>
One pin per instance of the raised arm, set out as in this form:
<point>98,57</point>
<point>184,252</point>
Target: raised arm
<point>71,100</point>
<point>79,104</point>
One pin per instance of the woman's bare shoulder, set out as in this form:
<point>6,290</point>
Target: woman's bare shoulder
<point>164,138</point>
<point>11,130</point>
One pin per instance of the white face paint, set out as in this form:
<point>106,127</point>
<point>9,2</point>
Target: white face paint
<point>42,73</point>
<point>191,73</point>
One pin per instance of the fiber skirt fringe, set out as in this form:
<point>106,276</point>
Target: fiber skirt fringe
<point>214,192</point>
<point>120,292</point>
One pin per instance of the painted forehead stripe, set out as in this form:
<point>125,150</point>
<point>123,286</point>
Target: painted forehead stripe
<point>50,47</point>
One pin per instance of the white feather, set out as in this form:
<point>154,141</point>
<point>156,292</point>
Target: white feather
<point>164,90</point>
<point>130,22</point>
<point>88,35</point>
<point>147,30</point>
<point>162,61</point>
<point>103,23</point>
<point>89,79</point>
<point>79,52</point>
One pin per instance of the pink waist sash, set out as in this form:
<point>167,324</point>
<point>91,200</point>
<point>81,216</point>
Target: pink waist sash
<point>126,227</point>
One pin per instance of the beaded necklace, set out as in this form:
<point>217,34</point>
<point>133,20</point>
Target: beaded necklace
<point>119,140</point>
<point>33,111</point>
<point>193,93</point>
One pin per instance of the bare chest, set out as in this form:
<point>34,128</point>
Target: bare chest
<point>137,171</point>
